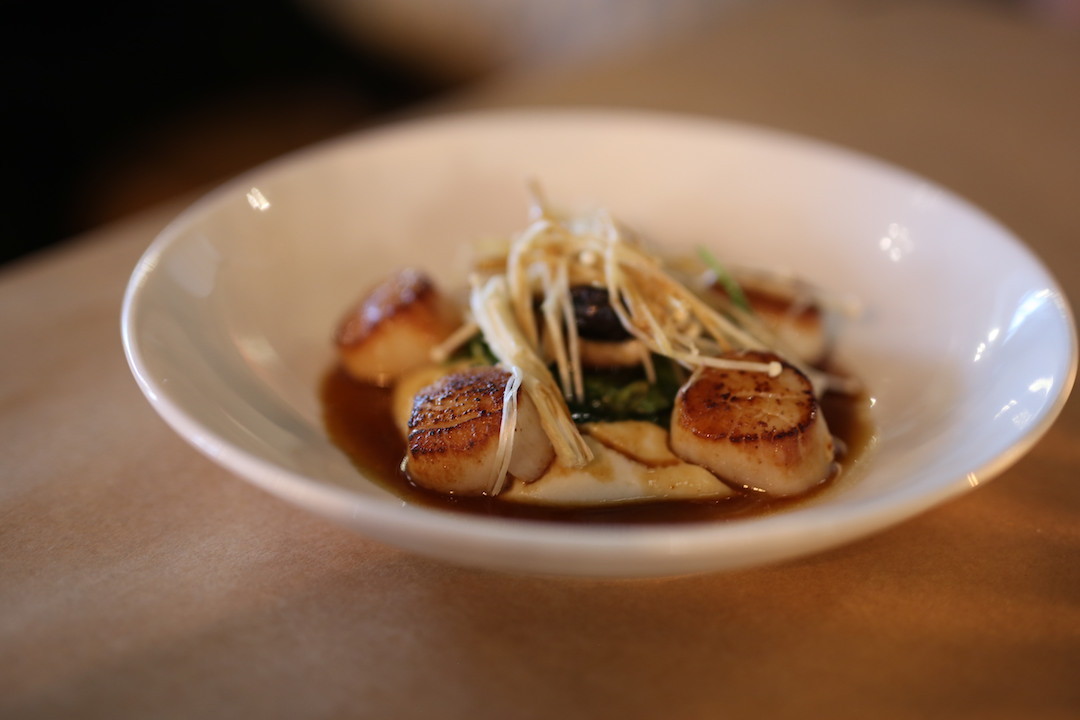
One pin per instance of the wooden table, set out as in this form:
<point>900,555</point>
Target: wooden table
<point>139,580</point>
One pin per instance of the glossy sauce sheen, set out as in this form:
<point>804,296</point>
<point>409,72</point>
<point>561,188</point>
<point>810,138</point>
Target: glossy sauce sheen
<point>357,417</point>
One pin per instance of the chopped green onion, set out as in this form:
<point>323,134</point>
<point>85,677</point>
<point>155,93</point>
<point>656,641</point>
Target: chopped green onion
<point>474,351</point>
<point>618,394</point>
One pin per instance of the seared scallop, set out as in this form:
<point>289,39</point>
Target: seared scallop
<point>408,385</point>
<point>798,323</point>
<point>794,317</point>
<point>393,329</point>
<point>453,440</point>
<point>754,430</point>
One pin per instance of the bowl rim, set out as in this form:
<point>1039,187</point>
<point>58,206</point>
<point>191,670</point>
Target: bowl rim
<point>662,549</point>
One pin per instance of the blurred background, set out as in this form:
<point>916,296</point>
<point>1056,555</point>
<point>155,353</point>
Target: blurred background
<point>116,106</point>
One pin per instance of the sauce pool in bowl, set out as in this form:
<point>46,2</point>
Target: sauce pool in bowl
<point>358,420</point>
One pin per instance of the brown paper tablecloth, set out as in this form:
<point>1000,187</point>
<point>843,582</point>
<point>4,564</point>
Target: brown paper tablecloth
<point>137,579</point>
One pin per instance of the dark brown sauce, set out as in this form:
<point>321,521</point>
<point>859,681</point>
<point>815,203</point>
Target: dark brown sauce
<point>358,419</point>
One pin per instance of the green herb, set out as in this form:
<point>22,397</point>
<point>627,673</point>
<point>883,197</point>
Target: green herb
<point>626,394</point>
<point>475,351</point>
<point>731,287</point>
<point>610,394</point>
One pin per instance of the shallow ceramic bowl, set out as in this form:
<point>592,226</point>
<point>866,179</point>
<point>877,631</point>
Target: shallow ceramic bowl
<point>965,343</point>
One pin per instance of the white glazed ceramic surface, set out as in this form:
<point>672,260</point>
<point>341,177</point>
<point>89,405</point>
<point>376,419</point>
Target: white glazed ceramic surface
<point>966,343</point>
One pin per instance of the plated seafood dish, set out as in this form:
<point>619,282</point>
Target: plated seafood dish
<point>582,374</point>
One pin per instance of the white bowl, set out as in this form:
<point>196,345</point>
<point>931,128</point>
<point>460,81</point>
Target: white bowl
<point>966,344</point>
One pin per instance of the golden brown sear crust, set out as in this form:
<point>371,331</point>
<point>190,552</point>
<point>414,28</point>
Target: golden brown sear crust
<point>752,429</point>
<point>453,437</point>
<point>460,413</point>
<point>453,442</point>
<point>391,331</point>
<point>409,291</point>
<point>743,407</point>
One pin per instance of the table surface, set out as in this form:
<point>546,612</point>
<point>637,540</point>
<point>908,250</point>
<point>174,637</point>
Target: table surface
<point>137,579</point>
